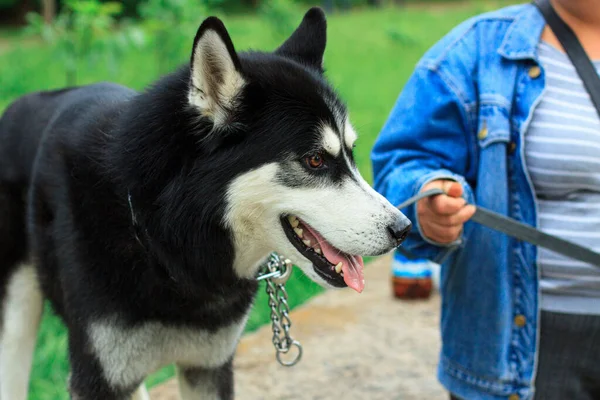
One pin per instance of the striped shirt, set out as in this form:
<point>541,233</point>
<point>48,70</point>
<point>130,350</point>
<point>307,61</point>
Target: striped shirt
<point>562,154</point>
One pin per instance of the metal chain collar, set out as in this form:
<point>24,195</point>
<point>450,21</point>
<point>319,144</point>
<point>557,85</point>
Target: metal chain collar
<point>276,272</point>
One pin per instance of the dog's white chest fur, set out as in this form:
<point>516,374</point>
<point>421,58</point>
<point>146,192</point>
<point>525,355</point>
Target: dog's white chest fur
<point>128,355</point>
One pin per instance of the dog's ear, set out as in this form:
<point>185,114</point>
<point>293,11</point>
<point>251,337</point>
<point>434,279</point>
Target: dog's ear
<point>216,79</point>
<point>307,43</point>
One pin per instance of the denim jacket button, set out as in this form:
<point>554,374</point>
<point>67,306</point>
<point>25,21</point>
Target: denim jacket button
<point>534,72</point>
<point>482,133</point>
<point>512,146</point>
<point>520,321</point>
<point>513,397</point>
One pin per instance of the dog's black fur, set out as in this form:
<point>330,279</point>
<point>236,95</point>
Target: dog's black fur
<point>71,157</point>
<point>122,194</point>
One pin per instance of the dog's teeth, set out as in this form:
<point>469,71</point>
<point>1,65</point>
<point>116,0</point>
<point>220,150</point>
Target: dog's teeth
<point>293,221</point>
<point>306,242</point>
<point>338,267</point>
<point>298,231</point>
<point>318,251</point>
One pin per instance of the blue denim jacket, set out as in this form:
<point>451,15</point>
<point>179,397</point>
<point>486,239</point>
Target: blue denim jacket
<point>462,115</point>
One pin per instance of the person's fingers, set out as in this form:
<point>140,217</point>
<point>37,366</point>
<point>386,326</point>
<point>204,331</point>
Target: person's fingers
<point>445,205</point>
<point>453,189</point>
<point>442,217</point>
<point>437,184</point>
<point>444,228</point>
<point>458,218</point>
<point>442,234</point>
<point>467,212</point>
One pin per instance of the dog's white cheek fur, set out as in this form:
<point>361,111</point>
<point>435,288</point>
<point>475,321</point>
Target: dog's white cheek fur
<point>128,355</point>
<point>252,214</point>
<point>351,216</point>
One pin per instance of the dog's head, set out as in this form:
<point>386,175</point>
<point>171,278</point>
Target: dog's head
<point>237,155</point>
<point>297,190</point>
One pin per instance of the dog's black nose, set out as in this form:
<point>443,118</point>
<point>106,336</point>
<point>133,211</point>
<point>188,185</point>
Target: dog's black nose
<point>399,229</point>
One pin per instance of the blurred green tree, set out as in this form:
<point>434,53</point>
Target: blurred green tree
<point>85,31</point>
<point>169,24</point>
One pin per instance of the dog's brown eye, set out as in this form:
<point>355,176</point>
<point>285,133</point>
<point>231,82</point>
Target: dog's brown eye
<point>314,161</point>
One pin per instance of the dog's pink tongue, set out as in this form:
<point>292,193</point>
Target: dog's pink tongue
<point>352,266</point>
<point>353,273</point>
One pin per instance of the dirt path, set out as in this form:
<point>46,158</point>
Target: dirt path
<point>366,346</point>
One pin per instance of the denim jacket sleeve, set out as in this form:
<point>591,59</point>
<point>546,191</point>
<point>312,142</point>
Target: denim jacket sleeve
<point>425,138</point>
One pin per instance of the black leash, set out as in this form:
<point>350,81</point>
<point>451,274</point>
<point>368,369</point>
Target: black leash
<point>565,35</point>
<point>517,230</point>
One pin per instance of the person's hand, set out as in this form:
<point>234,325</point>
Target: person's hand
<point>442,217</point>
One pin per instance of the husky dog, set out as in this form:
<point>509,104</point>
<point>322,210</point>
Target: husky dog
<point>144,217</point>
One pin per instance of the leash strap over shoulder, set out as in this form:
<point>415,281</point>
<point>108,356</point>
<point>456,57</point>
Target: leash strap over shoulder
<point>519,231</point>
<point>567,38</point>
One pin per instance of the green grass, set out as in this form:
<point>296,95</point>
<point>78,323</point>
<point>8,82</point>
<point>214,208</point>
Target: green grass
<point>369,57</point>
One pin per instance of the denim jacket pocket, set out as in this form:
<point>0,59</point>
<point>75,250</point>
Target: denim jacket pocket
<point>493,137</point>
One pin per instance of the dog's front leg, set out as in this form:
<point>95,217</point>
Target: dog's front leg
<point>88,379</point>
<point>95,387</point>
<point>201,383</point>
